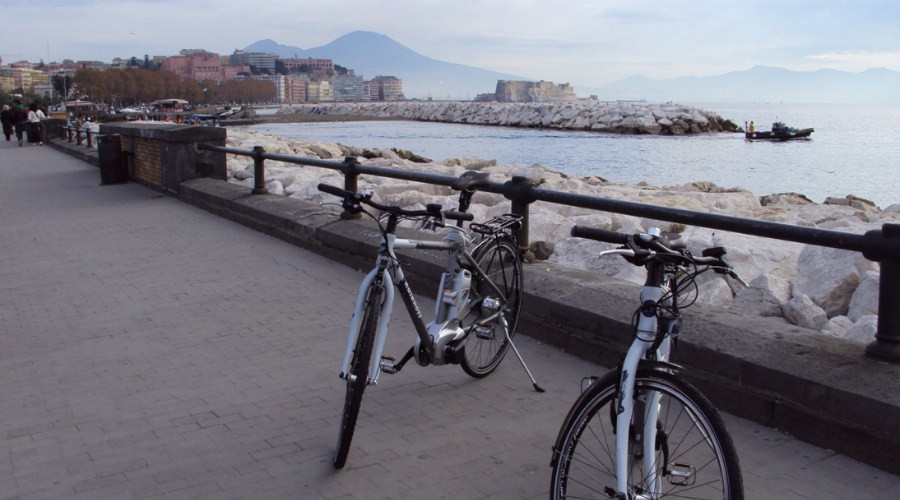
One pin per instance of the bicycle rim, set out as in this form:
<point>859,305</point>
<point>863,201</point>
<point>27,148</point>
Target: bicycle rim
<point>695,457</point>
<point>359,372</point>
<point>486,345</point>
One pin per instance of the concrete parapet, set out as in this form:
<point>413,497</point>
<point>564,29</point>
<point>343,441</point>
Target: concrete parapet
<point>163,155</point>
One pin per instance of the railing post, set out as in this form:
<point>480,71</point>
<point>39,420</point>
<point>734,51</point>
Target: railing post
<point>259,171</point>
<point>351,183</point>
<point>520,195</point>
<point>78,139</point>
<point>69,135</point>
<point>886,346</point>
<point>89,143</point>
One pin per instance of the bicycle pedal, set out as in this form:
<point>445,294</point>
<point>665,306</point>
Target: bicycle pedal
<point>484,332</point>
<point>387,365</point>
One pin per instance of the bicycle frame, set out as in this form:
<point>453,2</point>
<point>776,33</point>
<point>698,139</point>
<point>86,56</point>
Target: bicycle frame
<point>646,336</point>
<point>388,273</point>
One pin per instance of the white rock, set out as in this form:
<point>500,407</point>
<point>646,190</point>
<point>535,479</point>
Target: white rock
<point>802,311</point>
<point>716,293</point>
<point>837,325</point>
<point>865,299</point>
<point>830,276</point>
<point>863,330</point>
<point>764,297</point>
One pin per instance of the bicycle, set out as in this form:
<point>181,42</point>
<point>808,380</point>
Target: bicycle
<point>476,309</point>
<point>641,431</point>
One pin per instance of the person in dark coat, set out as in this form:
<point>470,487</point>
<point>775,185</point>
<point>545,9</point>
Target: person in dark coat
<point>6,117</point>
<point>19,115</point>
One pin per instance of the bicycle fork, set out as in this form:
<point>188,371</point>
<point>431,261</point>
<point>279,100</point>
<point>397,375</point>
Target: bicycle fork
<point>628,423</point>
<point>387,286</point>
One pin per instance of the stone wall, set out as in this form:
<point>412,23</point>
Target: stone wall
<point>586,114</point>
<point>165,155</point>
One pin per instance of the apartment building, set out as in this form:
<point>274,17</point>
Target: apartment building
<point>312,65</point>
<point>259,60</point>
<point>200,65</point>
<point>386,88</point>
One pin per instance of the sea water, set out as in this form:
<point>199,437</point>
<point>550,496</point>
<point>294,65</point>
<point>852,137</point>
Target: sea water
<point>855,150</point>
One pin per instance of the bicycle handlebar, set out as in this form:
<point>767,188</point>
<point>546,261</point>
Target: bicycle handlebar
<point>432,210</point>
<point>638,247</point>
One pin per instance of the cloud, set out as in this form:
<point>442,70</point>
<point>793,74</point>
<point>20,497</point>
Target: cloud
<point>586,42</point>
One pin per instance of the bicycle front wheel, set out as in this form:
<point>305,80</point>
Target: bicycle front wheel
<point>486,344</point>
<point>694,458</point>
<point>359,373</point>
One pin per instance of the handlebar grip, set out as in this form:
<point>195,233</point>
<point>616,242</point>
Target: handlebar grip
<point>327,188</point>
<point>593,233</point>
<point>454,215</point>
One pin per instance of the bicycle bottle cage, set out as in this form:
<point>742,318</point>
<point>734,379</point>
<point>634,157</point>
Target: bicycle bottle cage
<point>506,223</point>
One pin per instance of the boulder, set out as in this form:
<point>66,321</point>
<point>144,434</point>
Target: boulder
<point>864,301</point>
<point>830,276</point>
<point>802,311</point>
<point>764,297</point>
<point>863,330</point>
<point>837,326</point>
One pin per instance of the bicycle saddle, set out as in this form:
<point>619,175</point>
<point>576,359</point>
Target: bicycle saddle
<point>471,180</point>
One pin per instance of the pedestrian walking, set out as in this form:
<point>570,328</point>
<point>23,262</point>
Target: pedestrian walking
<point>19,116</point>
<point>6,117</point>
<point>35,127</point>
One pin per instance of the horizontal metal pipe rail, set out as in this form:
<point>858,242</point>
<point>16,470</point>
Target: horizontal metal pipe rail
<point>879,245</point>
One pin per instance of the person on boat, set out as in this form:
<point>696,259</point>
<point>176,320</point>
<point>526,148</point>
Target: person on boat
<point>752,127</point>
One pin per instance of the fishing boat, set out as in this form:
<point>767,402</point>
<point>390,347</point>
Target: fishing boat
<point>779,132</point>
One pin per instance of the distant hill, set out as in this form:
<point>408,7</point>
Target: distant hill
<point>763,84</point>
<point>371,54</point>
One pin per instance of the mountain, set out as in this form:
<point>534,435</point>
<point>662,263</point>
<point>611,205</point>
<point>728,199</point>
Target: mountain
<point>372,54</point>
<point>764,84</point>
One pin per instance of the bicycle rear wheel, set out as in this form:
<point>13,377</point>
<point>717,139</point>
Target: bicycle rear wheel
<point>486,344</point>
<point>695,456</point>
<point>359,373</point>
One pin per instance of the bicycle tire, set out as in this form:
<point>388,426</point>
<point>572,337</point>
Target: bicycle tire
<point>486,346</point>
<point>359,373</point>
<point>584,455</point>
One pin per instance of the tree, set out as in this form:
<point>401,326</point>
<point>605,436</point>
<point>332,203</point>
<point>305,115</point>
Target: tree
<point>62,85</point>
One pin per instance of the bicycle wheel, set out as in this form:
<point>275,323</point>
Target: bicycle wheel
<point>359,373</point>
<point>695,456</point>
<point>486,344</point>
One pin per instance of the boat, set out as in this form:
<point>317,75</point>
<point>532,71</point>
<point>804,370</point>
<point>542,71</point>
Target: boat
<point>779,132</point>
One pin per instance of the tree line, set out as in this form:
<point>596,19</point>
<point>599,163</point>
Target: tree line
<point>134,86</point>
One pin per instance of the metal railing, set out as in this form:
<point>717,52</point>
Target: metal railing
<point>78,136</point>
<point>879,245</point>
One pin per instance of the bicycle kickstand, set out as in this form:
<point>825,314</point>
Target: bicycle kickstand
<point>519,356</point>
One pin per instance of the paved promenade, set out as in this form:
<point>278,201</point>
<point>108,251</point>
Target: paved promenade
<point>149,349</point>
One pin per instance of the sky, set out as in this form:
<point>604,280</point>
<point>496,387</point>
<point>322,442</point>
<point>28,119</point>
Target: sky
<point>582,42</point>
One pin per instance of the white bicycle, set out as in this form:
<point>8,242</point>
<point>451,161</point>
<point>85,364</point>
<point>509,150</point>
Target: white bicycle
<point>641,431</point>
<point>476,309</point>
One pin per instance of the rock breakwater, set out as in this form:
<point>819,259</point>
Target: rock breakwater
<point>831,291</point>
<point>618,118</point>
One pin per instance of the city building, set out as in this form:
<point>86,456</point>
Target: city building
<point>296,88</point>
<point>350,88</point>
<point>199,65</point>
<point>386,88</point>
<point>309,65</point>
<point>25,78</point>
<point>320,91</point>
<point>262,61</point>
